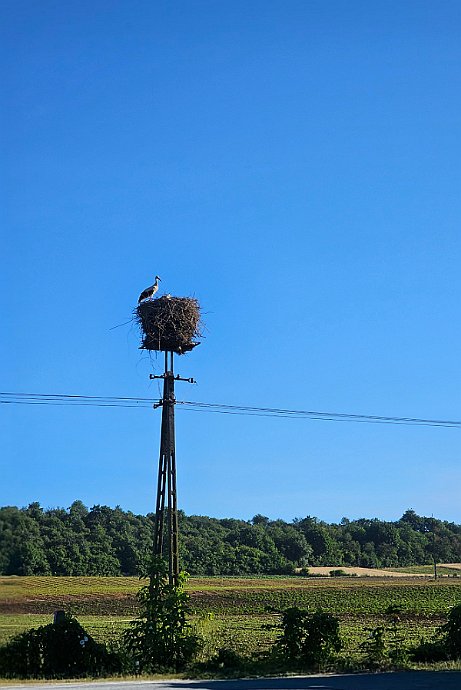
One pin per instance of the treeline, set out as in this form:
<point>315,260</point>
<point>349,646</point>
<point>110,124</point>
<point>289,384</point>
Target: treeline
<point>111,541</point>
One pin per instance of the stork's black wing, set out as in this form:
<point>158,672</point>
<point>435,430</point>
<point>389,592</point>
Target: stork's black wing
<point>145,294</point>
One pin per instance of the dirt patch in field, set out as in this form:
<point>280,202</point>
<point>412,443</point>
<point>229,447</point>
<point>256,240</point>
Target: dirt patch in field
<point>90,604</point>
<point>455,566</point>
<point>361,572</point>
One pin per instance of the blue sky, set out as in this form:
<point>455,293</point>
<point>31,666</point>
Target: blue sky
<point>293,165</point>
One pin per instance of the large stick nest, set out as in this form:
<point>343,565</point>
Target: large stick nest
<point>170,324</point>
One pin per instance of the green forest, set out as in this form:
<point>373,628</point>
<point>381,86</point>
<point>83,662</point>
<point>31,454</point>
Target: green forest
<point>111,541</point>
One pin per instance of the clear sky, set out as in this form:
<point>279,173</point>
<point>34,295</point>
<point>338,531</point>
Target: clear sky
<point>296,167</point>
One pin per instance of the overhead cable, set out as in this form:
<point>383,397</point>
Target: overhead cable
<point>9,398</point>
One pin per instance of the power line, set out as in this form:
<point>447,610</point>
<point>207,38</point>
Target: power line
<point>9,398</point>
<point>64,399</point>
<point>67,396</point>
<point>331,416</point>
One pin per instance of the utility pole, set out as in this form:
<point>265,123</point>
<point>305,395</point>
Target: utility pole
<point>166,483</point>
<point>433,548</point>
<point>169,325</point>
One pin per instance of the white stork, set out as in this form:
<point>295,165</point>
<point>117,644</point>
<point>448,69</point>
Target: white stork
<point>150,291</point>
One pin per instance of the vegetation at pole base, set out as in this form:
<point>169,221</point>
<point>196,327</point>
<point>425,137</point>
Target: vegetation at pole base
<point>58,650</point>
<point>161,638</point>
<point>110,541</point>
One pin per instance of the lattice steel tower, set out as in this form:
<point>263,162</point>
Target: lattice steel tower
<point>166,483</point>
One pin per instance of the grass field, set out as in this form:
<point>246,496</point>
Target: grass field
<point>233,612</point>
<point>451,570</point>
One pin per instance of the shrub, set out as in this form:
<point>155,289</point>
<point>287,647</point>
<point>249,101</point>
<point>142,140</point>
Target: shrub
<point>322,638</point>
<point>307,639</point>
<point>225,659</point>
<point>429,651</point>
<point>451,633</point>
<point>58,650</point>
<point>446,643</point>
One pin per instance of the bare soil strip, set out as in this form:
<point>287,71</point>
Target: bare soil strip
<point>362,572</point>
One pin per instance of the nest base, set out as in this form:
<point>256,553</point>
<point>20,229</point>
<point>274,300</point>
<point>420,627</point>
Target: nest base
<point>169,324</point>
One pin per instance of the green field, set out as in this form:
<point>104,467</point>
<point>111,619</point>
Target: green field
<point>233,612</point>
<point>453,571</point>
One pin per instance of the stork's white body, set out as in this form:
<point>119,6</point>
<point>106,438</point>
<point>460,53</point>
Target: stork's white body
<point>150,291</point>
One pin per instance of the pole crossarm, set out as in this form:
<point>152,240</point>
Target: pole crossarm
<point>176,378</point>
